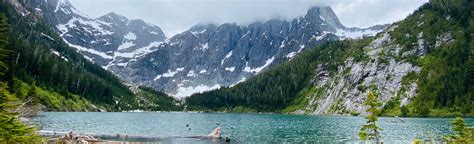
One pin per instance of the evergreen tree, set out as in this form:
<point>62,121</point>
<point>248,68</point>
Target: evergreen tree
<point>370,131</point>
<point>4,29</point>
<point>11,129</point>
<point>462,133</point>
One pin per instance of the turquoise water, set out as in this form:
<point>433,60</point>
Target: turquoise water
<point>243,128</point>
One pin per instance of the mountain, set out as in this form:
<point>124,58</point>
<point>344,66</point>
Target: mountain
<point>41,69</point>
<point>207,57</point>
<point>421,66</point>
<point>111,38</point>
<point>203,58</point>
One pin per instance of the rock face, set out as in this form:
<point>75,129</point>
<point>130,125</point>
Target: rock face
<point>209,56</point>
<point>111,38</point>
<point>202,58</point>
<point>345,91</point>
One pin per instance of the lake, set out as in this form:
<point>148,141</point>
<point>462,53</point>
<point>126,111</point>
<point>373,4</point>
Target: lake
<point>243,128</point>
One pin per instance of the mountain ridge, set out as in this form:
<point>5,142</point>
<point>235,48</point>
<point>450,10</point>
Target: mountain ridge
<point>243,52</point>
<point>208,56</point>
<point>420,66</point>
<point>44,70</point>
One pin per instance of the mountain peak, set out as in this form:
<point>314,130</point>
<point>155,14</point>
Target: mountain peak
<point>324,14</point>
<point>112,16</point>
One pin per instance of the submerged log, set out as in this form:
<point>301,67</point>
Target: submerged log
<point>399,118</point>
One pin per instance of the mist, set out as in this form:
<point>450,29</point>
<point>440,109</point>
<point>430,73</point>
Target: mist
<point>175,16</point>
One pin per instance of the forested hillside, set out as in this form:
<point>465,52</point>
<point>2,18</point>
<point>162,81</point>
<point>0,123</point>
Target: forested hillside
<point>422,66</point>
<point>40,68</point>
<point>281,87</point>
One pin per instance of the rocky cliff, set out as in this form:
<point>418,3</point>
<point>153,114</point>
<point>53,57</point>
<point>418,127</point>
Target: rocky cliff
<point>203,58</point>
<point>207,57</point>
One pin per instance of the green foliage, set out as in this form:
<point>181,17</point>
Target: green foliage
<point>370,131</point>
<point>355,113</point>
<point>4,29</point>
<point>302,100</point>
<point>392,107</point>
<point>281,89</point>
<point>442,79</point>
<point>150,99</point>
<point>62,83</point>
<point>404,111</point>
<point>31,60</point>
<point>241,109</point>
<point>56,102</point>
<point>462,133</point>
<point>11,129</point>
<point>417,141</point>
<point>444,83</point>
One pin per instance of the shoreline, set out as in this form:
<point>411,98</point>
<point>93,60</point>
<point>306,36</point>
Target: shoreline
<point>258,113</point>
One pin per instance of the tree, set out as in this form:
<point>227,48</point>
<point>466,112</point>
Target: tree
<point>405,111</point>
<point>370,131</point>
<point>462,133</point>
<point>11,129</point>
<point>4,29</point>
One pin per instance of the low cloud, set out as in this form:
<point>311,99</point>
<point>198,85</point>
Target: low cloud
<point>175,16</point>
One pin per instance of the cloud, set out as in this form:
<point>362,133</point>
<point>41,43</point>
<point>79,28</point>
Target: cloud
<point>175,16</point>
<point>365,13</point>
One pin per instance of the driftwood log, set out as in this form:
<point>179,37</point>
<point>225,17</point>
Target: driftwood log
<point>70,137</point>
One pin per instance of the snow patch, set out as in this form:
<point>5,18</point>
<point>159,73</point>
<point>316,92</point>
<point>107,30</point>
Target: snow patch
<point>291,55</point>
<point>47,36</point>
<point>348,34</point>
<point>240,81</point>
<point>94,26</point>
<point>301,47</point>
<point>226,57</point>
<point>322,18</point>
<point>282,44</point>
<point>188,91</point>
<point>168,74</point>
<point>60,2</point>
<point>138,52</point>
<point>157,77</point>
<point>191,74</point>
<point>59,55</point>
<point>257,70</point>
<point>318,38</point>
<point>92,51</point>
<point>200,32</point>
<point>172,73</point>
<point>231,69</point>
<point>125,45</point>
<point>205,46</point>
<point>130,36</point>
<point>147,49</point>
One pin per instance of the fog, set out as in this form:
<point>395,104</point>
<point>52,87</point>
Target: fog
<point>175,16</point>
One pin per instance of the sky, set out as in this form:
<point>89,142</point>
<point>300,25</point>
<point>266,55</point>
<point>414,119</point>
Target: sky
<point>175,16</point>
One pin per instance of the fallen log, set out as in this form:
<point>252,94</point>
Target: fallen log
<point>90,137</point>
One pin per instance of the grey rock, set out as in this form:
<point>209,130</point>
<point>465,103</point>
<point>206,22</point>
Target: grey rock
<point>230,53</point>
<point>202,58</point>
<point>347,91</point>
